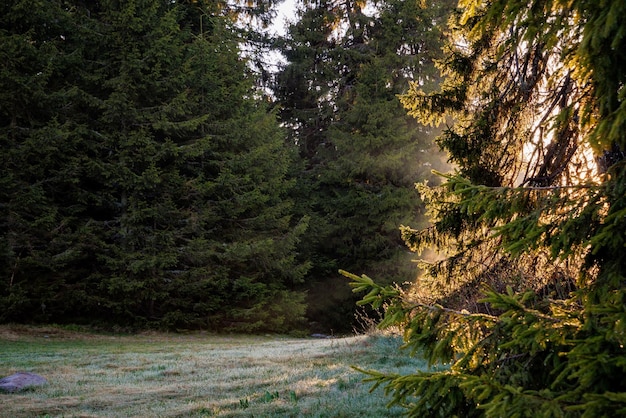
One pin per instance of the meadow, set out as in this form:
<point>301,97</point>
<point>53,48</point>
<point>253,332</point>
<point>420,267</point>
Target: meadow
<point>196,375</point>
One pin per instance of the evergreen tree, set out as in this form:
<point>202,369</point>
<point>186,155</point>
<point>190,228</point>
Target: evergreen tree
<point>163,200</point>
<point>362,153</point>
<point>43,160</point>
<point>527,306</point>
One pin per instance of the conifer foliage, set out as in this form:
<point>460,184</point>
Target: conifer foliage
<point>346,63</point>
<point>526,311</point>
<point>142,183</point>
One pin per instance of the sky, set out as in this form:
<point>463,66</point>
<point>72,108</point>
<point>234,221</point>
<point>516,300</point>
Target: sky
<point>286,11</point>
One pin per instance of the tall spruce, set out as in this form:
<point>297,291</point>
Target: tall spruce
<point>150,189</point>
<point>43,158</point>
<point>362,154</point>
<point>527,306</point>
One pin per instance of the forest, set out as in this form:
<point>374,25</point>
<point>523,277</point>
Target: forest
<point>162,170</point>
<point>456,169</point>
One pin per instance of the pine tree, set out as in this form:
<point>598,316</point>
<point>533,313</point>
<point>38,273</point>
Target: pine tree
<point>527,307</point>
<point>362,153</point>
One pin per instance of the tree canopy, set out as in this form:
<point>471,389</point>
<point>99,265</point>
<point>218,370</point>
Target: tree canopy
<point>152,178</point>
<point>361,152</point>
<point>143,184</point>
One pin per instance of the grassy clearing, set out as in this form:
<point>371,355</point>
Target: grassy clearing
<point>163,375</point>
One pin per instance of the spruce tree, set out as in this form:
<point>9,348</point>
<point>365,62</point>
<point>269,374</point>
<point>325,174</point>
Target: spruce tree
<point>44,153</point>
<point>162,197</point>
<point>361,152</point>
<point>526,308</point>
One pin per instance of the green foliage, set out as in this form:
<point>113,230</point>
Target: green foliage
<point>526,305</point>
<point>143,183</point>
<point>361,152</point>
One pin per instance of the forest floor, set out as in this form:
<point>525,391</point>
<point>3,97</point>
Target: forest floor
<point>196,375</point>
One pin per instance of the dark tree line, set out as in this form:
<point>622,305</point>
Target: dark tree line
<point>142,183</point>
<point>146,181</point>
<point>361,153</point>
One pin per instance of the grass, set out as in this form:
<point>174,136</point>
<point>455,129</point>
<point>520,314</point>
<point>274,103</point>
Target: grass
<point>196,375</point>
